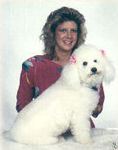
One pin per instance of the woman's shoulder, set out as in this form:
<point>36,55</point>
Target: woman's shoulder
<point>39,61</point>
<point>33,61</point>
<point>40,58</point>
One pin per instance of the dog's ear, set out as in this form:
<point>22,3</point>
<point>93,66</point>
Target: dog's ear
<point>109,69</point>
<point>70,73</point>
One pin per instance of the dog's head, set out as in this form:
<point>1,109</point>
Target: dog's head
<point>90,66</point>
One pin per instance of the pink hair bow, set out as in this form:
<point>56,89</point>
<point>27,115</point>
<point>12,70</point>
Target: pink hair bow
<point>73,59</point>
<point>103,53</point>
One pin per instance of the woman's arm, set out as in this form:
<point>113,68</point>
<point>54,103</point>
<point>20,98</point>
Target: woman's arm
<point>99,107</point>
<point>25,90</point>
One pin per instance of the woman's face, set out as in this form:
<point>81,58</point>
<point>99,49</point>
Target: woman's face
<point>66,36</point>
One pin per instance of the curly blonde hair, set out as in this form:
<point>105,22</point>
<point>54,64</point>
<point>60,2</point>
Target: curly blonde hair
<point>56,18</point>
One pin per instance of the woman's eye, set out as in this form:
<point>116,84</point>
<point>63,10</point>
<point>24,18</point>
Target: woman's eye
<point>95,60</point>
<point>85,63</point>
<point>62,30</point>
<point>74,30</point>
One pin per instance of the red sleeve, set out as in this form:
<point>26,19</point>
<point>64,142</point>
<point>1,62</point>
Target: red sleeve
<point>25,90</point>
<point>99,107</point>
<point>102,96</point>
<point>38,73</point>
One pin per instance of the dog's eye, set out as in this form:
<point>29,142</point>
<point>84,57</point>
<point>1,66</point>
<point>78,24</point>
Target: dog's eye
<point>85,63</point>
<point>95,60</point>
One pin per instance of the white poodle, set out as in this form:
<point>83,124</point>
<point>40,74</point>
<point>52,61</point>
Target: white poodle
<point>68,103</point>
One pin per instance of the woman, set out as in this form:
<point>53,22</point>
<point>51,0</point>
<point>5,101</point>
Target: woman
<point>63,32</point>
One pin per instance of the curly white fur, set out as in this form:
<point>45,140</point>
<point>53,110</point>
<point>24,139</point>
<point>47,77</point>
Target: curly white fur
<point>67,104</point>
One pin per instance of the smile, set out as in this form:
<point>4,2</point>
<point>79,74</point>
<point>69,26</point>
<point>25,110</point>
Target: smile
<point>67,42</point>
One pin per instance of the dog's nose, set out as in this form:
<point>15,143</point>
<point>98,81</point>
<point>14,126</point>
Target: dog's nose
<point>94,70</point>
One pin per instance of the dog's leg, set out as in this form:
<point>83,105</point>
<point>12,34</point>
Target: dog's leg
<point>47,140</point>
<point>80,128</point>
<point>83,137</point>
<point>43,140</point>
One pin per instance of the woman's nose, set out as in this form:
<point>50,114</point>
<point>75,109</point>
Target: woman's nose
<point>69,34</point>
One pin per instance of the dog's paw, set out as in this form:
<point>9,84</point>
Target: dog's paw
<point>61,139</point>
<point>83,140</point>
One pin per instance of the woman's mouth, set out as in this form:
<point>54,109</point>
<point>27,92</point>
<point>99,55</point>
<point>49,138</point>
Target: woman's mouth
<point>68,42</point>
